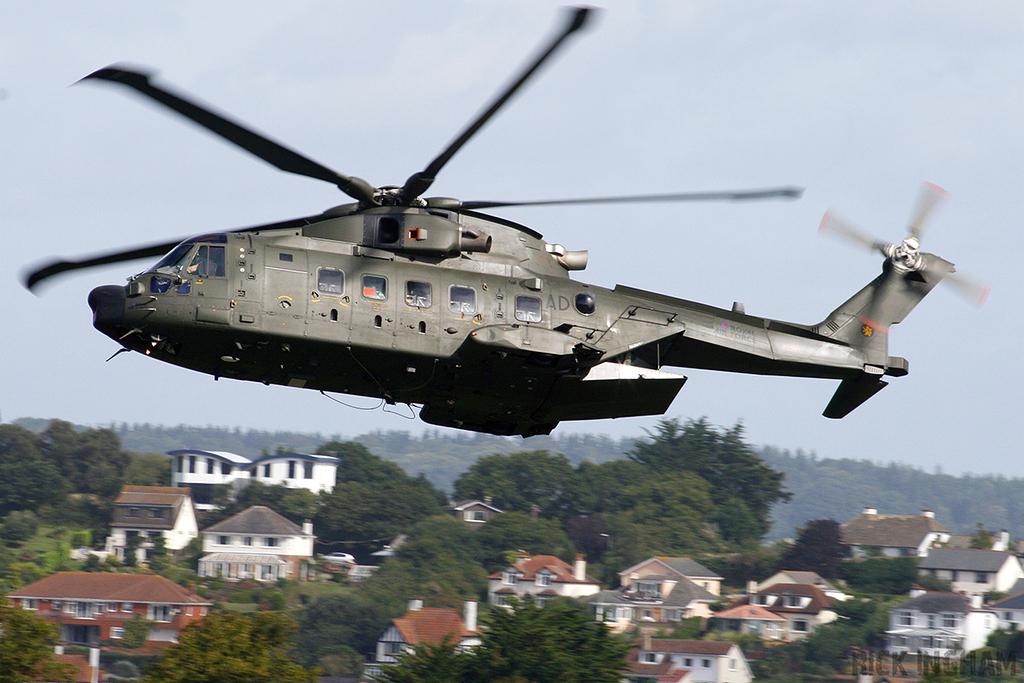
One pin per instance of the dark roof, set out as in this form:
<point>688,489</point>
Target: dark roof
<point>889,531</point>
<point>936,602</point>
<point>965,560</point>
<point>258,519</point>
<point>167,500</point>
<point>689,647</point>
<point>1012,602</point>
<point>818,600</point>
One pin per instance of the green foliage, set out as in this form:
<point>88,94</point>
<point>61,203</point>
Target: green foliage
<point>514,531</point>
<point>18,526</point>
<point>136,631</point>
<point>887,575</point>
<point>232,647</point>
<point>26,647</point>
<point>818,548</point>
<point>519,481</point>
<point>148,469</point>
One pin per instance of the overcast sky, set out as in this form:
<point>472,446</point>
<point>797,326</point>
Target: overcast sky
<point>858,102</point>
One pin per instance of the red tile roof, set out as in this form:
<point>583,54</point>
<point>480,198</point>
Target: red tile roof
<point>430,625</point>
<point>109,587</point>
<point>748,612</point>
<point>529,567</point>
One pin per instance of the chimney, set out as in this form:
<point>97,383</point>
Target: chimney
<point>870,510</point>
<point>307,528</point>
<point>487,500</point>
<point>579,571</point>
<point>928,513</point>
<point>534,512</point>
<point>917,592</point>
<point>469,615</point>
<point>415,604</point>
<point>976,601</point>
<point>647,642</point>
<point>751,587</point>
<point>1004,541</point>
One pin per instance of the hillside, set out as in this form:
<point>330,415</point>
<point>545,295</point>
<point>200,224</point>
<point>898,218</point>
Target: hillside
<point>822,488</point>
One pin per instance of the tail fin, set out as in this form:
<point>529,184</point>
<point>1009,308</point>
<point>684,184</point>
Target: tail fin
<point>863,322</point>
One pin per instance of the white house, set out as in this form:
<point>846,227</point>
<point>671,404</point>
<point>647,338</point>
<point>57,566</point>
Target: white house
<point>938,624</point>
<point>540,578</point>
<point>892,535</point>
<point>807,578</point>
<point>258,544</point>
<point>805,607</point>
<point>143,513</point>
<point>475,513</point>
<point>706,661</point>
<point>205,471</point>
<point>1009,612</point>
<point>973,572</point>
<point>424,626</point>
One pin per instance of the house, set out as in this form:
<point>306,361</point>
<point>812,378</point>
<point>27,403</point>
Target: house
<point>938,624</point>
<point>259,544</point>
<point>672,568</point>
<point>143,513</point>
<point>92,607</point>
<point>655,600</point>
<point>804,607</point>
<point>973,572</point>
<point>803,577</point>
<point>658,659</point>
<point>750,619</point>
<point>541,577</point>
<point>207,471</point>
<point>1009,612</point>
<point>892,535</point>
<point>424,626</point>
<point>475,513</point>
<point>1000,541</point>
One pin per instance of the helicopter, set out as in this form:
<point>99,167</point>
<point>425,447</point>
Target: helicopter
<point>475,319</point>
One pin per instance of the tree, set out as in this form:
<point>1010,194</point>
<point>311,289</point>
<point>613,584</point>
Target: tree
<point>514,531</point>
<point>525,644</point>
<point>818,548</point>
<point>227,648</point>
<point>518,481</point>
<point>26,647</point>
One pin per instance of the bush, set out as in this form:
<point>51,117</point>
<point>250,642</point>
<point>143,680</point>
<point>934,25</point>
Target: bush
<point>18,527</point>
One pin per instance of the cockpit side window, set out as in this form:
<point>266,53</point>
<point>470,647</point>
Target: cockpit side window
<point>208,262</point>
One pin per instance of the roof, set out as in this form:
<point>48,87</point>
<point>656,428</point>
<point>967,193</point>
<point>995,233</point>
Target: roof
<point>1012,602</point>
<point>889,531</point>
<point>258,519</point>
<point>818,600</point>
<point>152,495</point>
<point>689,647</point>
<point>297,456</point>
<point>463,504</point>
<point>936,602</point>
<point>109,587</point>
<point>242,558</point>
<point>809,578</point>
<point>965,559</point>
<point>754,612</point>
<point>529,567</point>
<point>682,566</point>
<point>430,625</point>
<point>684,593</point>
<point>233,458</point>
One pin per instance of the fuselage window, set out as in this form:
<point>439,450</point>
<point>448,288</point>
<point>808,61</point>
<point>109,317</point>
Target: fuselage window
<point>585,303</point>
<point>528,309</point>
<point>287,258</point>
<point>462,299</point>
<point>418,294</point>
<point>330,281</point>
<point>375,287</point>
<point>208,262</point>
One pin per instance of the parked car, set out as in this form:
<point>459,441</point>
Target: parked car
<point>338,558</point>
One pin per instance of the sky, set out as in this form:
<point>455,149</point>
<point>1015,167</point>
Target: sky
<point>857,102</point>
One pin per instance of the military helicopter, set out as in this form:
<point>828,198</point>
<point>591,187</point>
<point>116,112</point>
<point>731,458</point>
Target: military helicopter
<point>471,317</point>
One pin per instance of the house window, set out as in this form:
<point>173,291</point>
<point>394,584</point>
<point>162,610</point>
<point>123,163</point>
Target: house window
<point>30,603</point>
<point>792,601</point>
<point>510,577</point>
<point>688,663</point>
<point>544,579</point>
<point>953,575</point>
<point>225,468</point>
<point>126,607</point>
<point>949,621</point>
<point>800,625</point>
<point>905,618</point>
<point>732,664</point>
<point>462,300</point>
<point>156,513</point>
<point>981,577</point>
<point>760,599</point>
<point>706,663</point>
<point>224,540</point>
<point>117,632</point>
<point>132,512</point>
<point>209,465</point>
<point>266,470</point>
<point>160,613</point>
<point>418,294</point>
<point>112,606</point>
<point>270,542</point>
<point>55,605</point>
<point>498,599</point>
<point>649,657</point>
<point>307,469</point>
<point>291,469</point>
<point>191,464</point>
<point>181,463</point>
<point>477,516</point>
<point>247,540</point>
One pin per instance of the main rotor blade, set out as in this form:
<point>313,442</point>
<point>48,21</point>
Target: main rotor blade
<point>929,198</point>
<point>56,267</point>
<point>732,195</point>
<point>270,151</point>
<point>832,224</point>
<point>420,182</point>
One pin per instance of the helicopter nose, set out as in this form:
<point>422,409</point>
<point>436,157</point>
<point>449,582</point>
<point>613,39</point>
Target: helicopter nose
<point>107,304</point>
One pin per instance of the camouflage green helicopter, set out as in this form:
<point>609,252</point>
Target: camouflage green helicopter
<point>474,319</point>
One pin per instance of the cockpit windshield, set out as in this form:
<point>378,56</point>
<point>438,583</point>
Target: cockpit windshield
<point>212,257</point>
<point>175,258</point>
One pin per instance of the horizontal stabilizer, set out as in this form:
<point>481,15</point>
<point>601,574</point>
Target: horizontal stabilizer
<point>851,393</point>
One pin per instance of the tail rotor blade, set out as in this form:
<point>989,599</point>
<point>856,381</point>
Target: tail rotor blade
<point>929,198</point>
<point>966,286</point>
